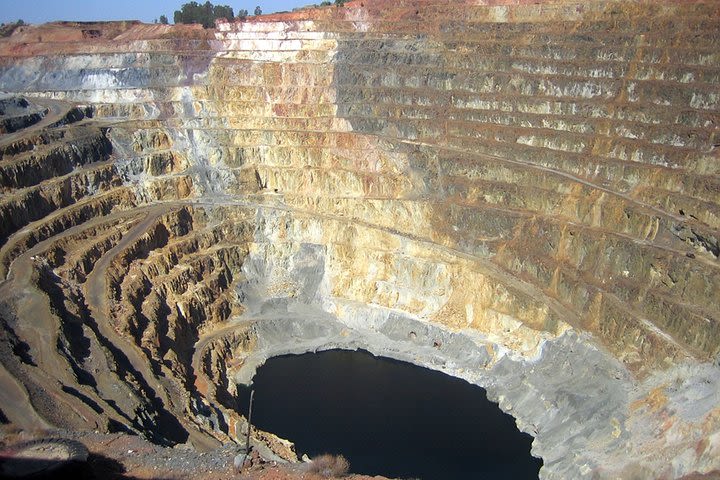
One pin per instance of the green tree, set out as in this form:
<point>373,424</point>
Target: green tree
<point>205,14</point>
<point>242,14</point>
<point>189,13</point>
<point>163,19</point>
<point>223,11</point>
<point>258,10</point>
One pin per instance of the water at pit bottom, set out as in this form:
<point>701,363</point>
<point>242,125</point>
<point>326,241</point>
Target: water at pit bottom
<point>388,417</point>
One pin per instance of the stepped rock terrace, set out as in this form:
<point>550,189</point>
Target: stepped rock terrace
<point>522,195</point>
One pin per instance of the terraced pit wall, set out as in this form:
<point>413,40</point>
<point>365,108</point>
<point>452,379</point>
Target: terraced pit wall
<point>521,195</point>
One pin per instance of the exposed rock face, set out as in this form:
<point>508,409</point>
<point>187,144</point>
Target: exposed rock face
<point>522,195</point>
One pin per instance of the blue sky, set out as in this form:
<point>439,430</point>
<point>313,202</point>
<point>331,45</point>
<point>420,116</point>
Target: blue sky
<point>40,11</point>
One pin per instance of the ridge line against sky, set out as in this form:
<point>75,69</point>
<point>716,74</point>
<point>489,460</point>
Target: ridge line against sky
<point>42,11</point>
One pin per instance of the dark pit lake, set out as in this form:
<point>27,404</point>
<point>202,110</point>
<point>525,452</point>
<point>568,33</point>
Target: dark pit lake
<point>388,417</point>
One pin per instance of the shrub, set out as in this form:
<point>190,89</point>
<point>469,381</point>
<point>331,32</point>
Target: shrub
<point>329,466</point>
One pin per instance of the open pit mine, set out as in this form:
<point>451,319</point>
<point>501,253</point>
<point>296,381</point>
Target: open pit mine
<point>523,195</point>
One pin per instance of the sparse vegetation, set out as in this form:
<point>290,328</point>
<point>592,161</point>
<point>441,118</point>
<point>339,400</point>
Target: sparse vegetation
<point>7,29</point>
<point>258,10</point>
<point>329,466</point>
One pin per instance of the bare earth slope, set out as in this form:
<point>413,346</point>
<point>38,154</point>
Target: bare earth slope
<point>521,194</point>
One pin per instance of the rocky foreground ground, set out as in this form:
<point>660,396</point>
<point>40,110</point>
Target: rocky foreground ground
<point>122,456</point>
